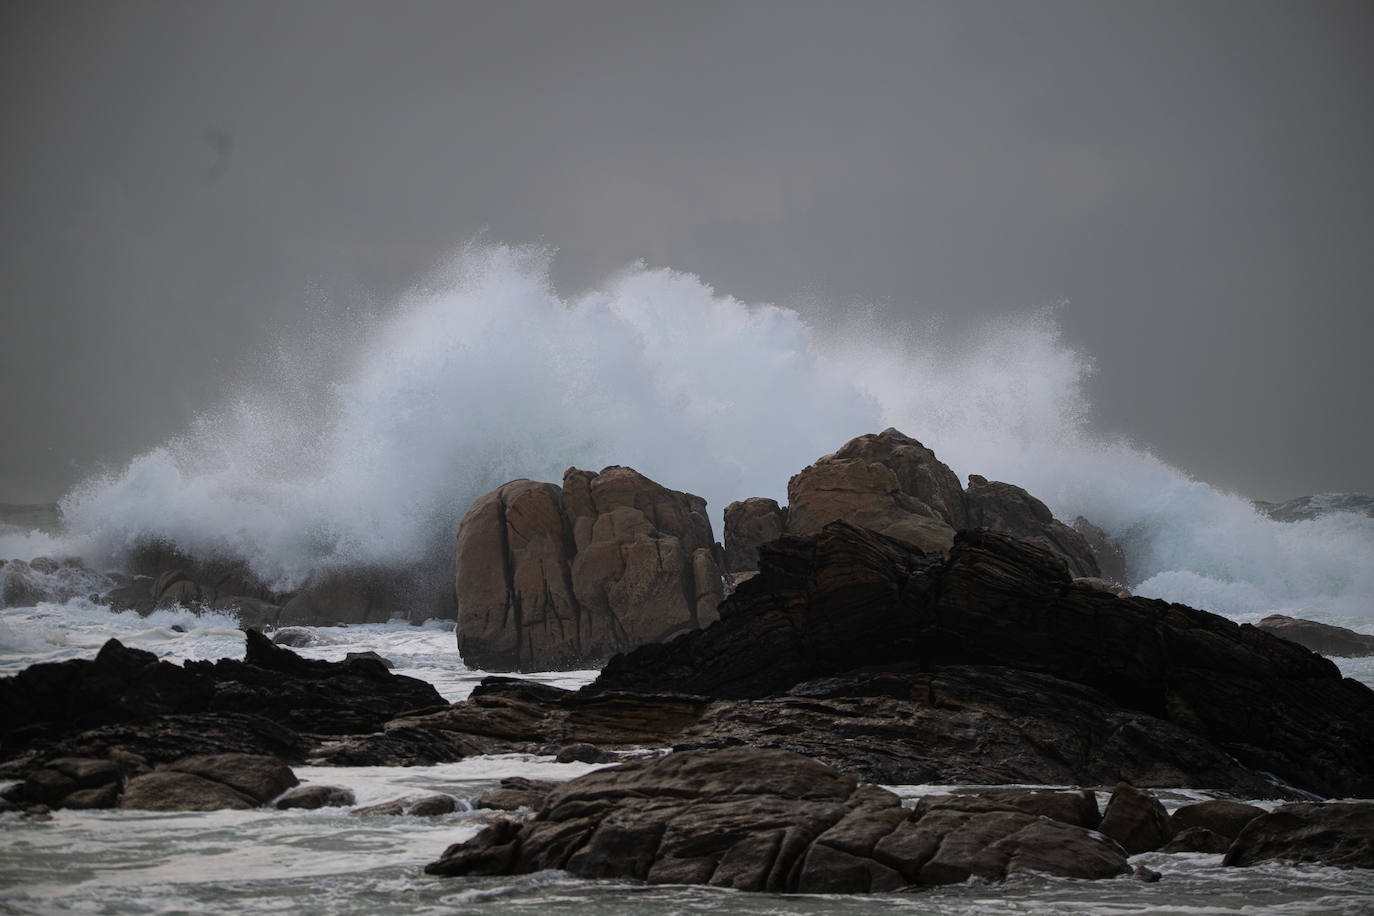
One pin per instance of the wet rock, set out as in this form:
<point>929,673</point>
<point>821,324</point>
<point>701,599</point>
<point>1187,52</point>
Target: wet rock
<point>414,806</point>
<point>294,637</point>
<point>1340,834</point>
<point>1337,642</point>
<point>106,796</point>
<point>1222,816</point>
<point>583,753</point>
<point>516,792</point>
<point>768,821</point>
<point>1111,559</point>
<point>1145,874</point>
<point>1197,839</point>
<point>313,797</point>
<point>166,790</point>
<point>369,655</point>
<point>401,746</point>
<point>551,577</point>
<point>259,777</point>
<point>1136,820</point>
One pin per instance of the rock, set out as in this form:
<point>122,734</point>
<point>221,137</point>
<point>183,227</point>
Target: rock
<point>887,482</point>
<point>583,753</point>
<point>1223,817</point>
<point>313,797</point>
<point>1307,508</point>
<point>294,637</point>
<point>748,524</point>
<point>136,596</point>
<point>1197,839</point>
<point>398,746</point>
<point>768,821</point>
<point>848,599</point>
<point>1103,585</point>
<point>415,806</point>
<point>165,790</point>
<point>127,698</point>
<point>1136,820</point>
<point>1338,642</point>
<point>106,796</point>
<point>259,777</point>
<point>516,792</point>
<point>1111,559</point>
<point>551,577</point>
<point>1340,834</point>
<point>1009,509</point>
<point>1145,874</point>
<point>373,656</point>
<point>48,787</point>
<point>252,613</point>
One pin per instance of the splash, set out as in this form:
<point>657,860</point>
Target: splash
<point>365,447</point>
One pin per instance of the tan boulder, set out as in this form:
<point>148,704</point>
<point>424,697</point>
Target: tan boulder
<point>551,577</point>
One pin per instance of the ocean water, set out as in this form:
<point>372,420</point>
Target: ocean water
<point>365,442</point>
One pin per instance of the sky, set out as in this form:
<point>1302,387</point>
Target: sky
<point>1188,184</point>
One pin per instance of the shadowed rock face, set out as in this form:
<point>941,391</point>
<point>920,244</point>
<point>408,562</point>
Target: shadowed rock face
<point>849,599</point>
<point>551,577</point>
<point>765,820</point>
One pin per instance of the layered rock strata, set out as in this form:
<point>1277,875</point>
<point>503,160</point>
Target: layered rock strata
<point>762,820</point>
<point>555,577</point>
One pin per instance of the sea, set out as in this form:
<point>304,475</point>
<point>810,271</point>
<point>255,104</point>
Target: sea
<point>362,441</point>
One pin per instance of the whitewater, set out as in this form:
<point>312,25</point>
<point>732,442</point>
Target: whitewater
<point>362,442</point>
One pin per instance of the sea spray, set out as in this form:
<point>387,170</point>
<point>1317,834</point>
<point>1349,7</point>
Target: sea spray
<point>369,455</point>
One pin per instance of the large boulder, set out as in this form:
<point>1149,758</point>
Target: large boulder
<point>749,523</point>
<point>888,482</point>
<point>770,821</point>
<point>551,577</point>
<point>1011,510</point>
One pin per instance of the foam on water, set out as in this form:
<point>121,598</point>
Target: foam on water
<point>483,374</point>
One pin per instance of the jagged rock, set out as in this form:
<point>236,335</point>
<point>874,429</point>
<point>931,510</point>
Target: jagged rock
<point>1338,642</point>
<point>748,524</point>
<point>1136,820</point>
<point>551,577</point>
<point>583,753</point>
<point>312,797</point>
<point>1339,834</point>
<point>1222,816</point>
<point>396,747</point>
<point>769,821</point>
<point>126,697</point>
<point>1011,510</point>
<point>848,599</point>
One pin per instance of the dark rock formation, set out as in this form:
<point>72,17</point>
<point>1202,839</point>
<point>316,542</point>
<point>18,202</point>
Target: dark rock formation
<point>1011,510</point>
<point>1197,839</point>
<point>770,821</point>
<point>748,524</point>
<point>850,599</point>
<point>412,805</point>
<point>1319,637</point>
<point>126,705</point>
<point>1339,834</point>
<point>564,578</point>
<point>1111,559</point>
<point>516,792</point>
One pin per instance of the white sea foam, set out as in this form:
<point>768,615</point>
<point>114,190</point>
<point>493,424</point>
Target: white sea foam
<point>483,374</point>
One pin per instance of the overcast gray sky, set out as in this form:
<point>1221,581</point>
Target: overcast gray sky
<point>180,178</point>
